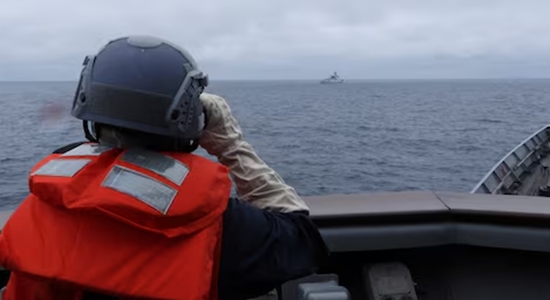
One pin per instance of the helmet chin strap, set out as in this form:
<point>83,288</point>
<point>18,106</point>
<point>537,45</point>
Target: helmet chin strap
<point>194,145</point>
<point>89,136</point>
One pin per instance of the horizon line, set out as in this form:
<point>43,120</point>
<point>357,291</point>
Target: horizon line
<point>317,80</point>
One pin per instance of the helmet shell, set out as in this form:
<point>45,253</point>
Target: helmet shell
<point>145,84</point>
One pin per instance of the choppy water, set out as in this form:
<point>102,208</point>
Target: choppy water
<point>325,139</point>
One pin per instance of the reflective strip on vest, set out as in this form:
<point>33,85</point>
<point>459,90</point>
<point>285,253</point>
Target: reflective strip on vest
<point>62,167</point>
<point>142,187</point>
<point>158,163</point>
<point>87,149</point>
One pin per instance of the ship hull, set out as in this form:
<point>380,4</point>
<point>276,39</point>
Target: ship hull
<point>332,82</point>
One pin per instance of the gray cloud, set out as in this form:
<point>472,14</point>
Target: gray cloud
<point>239,39</point>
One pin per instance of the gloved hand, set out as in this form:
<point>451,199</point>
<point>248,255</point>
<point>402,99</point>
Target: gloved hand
<point>222,132</point>
<point>255,181</point>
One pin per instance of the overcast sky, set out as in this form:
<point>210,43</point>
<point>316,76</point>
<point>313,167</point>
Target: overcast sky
<point>295,39</point>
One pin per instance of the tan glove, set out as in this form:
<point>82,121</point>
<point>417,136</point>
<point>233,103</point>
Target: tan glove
<point>255,181</point>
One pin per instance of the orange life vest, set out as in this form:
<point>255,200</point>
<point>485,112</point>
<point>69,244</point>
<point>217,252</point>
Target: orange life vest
<point>132,223</point>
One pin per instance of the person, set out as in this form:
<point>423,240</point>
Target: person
<point>132,213</point>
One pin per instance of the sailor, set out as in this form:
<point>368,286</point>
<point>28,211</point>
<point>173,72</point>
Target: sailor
<point>133,214</point>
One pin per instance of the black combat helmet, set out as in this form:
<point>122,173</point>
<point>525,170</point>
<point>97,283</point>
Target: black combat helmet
<point>143,84</point>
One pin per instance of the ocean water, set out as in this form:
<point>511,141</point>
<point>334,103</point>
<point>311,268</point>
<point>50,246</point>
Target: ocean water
<point>323,139</point>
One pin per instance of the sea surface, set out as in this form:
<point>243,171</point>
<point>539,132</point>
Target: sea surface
<point>323,139</point>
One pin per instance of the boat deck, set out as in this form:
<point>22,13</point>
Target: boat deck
<point>538,177</point>
<point>523,171</point>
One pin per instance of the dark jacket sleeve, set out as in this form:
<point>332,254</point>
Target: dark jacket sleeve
<point>262,249</point>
